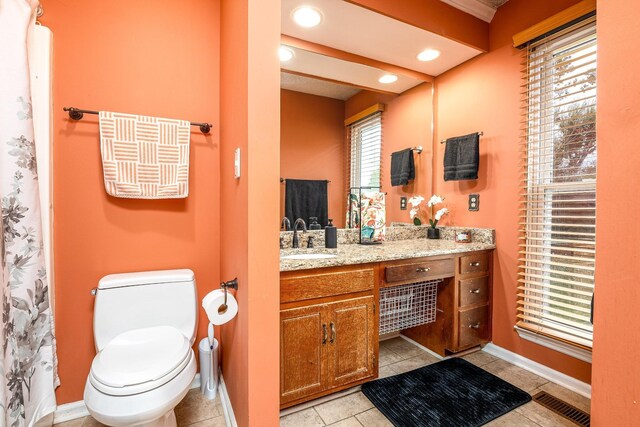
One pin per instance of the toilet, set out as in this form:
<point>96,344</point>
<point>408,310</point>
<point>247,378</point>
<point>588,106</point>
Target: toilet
<point>144,325</point>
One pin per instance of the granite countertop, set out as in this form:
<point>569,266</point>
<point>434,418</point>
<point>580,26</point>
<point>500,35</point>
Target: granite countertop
<point>391,250</point>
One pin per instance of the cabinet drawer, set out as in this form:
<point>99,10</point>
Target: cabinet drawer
<point>318,285</point>
<point>474,263</point>
<point>474,291</point>
<point>418,271</point>
<point>474,327</point>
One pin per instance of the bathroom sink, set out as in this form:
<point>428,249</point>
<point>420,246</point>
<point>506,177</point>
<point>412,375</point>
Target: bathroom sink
<point>309,256</point>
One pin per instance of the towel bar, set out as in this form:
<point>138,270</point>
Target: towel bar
<point>77,114</point>
<point>444,141</point>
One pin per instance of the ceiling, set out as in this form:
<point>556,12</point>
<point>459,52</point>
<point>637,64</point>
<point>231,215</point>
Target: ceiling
<point>318,87</point>
<point>482,9</point>
<point>338,70</point>
<point>357,30</point>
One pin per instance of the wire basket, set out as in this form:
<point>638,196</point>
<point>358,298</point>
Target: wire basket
<point>406,306</point>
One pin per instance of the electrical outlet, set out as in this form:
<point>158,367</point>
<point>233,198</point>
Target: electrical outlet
<point>403,203</point>
<point>474,202</point>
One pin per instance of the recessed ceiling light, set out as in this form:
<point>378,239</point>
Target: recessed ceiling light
<point>388,78</point>
<point>428,55</point>
<point>285,53</point>
<point>306,16</point>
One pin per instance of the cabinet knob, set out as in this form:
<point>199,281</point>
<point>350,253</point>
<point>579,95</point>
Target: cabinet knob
<point>324,333</point>
<point>474,325</point>
<point>422,269</point>
<point>474,264</point>
<point>474,291</point>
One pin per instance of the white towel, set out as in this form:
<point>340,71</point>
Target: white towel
<point>144,157</point>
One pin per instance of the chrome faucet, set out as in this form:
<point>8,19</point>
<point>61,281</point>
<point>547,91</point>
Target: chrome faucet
<point>296,241</point>
<point>285,224</point>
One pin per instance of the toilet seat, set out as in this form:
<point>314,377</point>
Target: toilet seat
<point>140,360</point>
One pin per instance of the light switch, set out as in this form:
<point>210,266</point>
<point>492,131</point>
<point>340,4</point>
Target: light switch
<point>236,164</point>
<point>403,203</point>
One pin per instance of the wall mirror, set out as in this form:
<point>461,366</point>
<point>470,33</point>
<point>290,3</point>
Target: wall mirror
<point>352,93</point>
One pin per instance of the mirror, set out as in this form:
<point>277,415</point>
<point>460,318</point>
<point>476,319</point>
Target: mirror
<point>314,143</point>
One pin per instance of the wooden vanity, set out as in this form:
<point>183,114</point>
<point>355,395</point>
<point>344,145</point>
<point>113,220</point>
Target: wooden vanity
<point>329,318</point>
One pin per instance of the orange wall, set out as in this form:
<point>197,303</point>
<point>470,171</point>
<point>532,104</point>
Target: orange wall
<point>406,123</point>
<point>483,95</point>
<point>312,146</point>
<point>121,55</point>
<point>250,120</point>
<point>616,374</point>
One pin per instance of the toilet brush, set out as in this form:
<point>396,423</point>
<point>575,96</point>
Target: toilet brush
<point>210,388</point>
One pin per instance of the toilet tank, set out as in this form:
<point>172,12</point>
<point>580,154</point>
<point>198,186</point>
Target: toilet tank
<point>140,300</point>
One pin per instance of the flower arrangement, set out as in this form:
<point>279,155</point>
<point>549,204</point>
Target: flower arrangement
<point>415,211</point>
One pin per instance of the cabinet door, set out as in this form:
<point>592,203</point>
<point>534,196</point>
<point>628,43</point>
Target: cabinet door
<point>303,342</point>
<point>352,340</point>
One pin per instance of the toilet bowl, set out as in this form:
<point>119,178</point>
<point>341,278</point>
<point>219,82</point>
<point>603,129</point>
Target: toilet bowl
<point>144,327</point>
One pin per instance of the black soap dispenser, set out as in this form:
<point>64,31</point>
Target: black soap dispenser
<point>330,235</point>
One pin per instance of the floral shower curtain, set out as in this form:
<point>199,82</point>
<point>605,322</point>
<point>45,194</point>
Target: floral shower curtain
<point>28,374</point>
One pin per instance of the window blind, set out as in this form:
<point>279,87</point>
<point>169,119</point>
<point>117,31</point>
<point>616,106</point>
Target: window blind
<point>558,199</point>
<point>365,139</point>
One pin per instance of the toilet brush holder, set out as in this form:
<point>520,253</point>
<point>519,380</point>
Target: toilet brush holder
<point>208,368</point>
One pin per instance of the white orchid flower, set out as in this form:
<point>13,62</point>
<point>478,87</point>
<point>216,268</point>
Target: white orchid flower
<point>442,212</point>
<point>435,200</point>
<point>415,201</point>
<point>413,212</point>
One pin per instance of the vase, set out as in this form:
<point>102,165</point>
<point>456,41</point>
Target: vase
<point>433,233</point>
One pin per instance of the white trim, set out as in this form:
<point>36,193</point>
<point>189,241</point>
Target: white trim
<point>423,348</point>
<point>557,345</point>
<point>473,7</point>
<point>70,411</point>
<point>543,371</point>
<point>229,416</point>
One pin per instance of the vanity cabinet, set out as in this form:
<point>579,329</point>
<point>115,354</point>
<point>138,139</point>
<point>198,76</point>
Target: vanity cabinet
<point>463,318</point>
<point>328,331</point>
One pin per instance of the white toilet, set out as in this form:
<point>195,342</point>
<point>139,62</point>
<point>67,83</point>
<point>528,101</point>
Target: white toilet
<point>144,325</point>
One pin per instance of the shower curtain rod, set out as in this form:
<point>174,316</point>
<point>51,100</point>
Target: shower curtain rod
<point>444,141</point>
<point>77,113</point>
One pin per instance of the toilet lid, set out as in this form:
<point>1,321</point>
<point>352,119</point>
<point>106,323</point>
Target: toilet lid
<point>139,356</point>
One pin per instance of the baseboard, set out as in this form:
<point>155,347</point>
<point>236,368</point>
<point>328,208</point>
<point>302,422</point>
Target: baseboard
<point>539,369</point>
<point>75,410</point>
<point>70,411</point>
<point>229,416</point>
<point>423,348</point>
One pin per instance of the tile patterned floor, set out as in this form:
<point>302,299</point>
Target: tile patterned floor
<point>398,356</point>
<point>193,411</point>
<point>355,410</point>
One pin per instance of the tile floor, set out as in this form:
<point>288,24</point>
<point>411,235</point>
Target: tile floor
<point>355,410</point>
<point>398,356</point>
<point>193,411</point>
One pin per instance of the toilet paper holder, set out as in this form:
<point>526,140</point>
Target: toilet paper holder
<point>233,284</point>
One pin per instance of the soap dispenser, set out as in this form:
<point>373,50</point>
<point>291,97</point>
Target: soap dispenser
<point>330,235</point>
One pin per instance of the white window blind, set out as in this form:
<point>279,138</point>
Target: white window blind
<point>558,211</point>
<point>365,138</point>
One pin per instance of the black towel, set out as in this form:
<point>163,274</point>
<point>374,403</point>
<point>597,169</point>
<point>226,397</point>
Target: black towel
<point>402,167</point>
<point>304,199</point>
<point>462,157</point>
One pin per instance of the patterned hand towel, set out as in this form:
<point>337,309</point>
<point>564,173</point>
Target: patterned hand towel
<point>144,157</point>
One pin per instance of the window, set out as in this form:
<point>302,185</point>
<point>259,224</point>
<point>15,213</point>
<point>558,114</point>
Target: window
<point>557,217</point>
<point>365,139</point>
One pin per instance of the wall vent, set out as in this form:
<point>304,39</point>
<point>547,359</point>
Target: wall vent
<point>563,409</point>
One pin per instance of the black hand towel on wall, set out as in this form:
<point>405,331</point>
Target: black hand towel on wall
<point>304,199</point>
<point>402,167</point>
<point>462,157</point>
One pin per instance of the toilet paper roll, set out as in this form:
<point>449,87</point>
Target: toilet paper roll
<point>213,304</point>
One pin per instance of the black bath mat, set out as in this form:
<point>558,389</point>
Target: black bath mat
<point>450,393</point>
